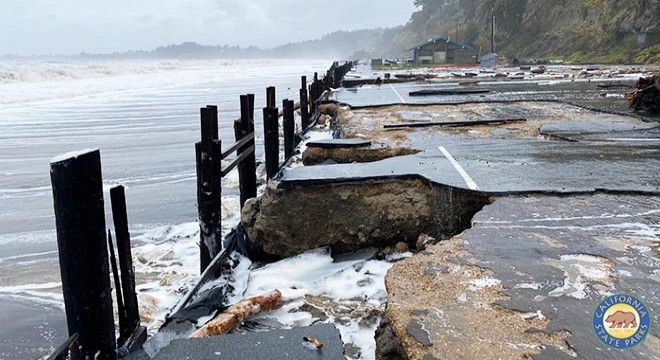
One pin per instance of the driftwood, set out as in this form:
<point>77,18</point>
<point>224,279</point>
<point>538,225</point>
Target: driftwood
<point>319,345</point>
<point>646,95</point>
<point>453,123</point>
<point>237,313</point>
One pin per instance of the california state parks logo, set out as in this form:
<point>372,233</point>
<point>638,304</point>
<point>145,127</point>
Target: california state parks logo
<point>621,321</point>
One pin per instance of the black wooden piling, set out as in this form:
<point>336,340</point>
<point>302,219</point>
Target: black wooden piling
<point>271,141</point>
<point>270,97</point>
<point>120,220</point>
<point>209,187</point>
<point>304,104</point>
<point>81,241</point>
<point>251,110</point>
<point>121,310</point>
<point>247,168</point>
<point>289,127</point>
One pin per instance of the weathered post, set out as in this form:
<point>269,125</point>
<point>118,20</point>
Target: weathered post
<point>80,221</point>
<point>247,176</point>
<point>289,127</point>
<point>271,141</point>
<point>304,106</point>
<point>209,187</point>
<point>270,97</point>
<point>120,220</point>
<point>121,310</point>
<point>251,110</point>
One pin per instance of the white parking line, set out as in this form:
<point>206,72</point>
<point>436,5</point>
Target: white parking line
<point>397,94</point>
<point>468,180</point>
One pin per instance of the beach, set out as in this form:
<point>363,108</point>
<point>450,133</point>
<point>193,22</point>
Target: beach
<point>144,117</point>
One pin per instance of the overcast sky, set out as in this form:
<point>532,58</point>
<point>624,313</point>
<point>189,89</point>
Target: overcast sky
<point>29,27</point>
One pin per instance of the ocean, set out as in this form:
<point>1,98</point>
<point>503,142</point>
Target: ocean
<point>143,115</point>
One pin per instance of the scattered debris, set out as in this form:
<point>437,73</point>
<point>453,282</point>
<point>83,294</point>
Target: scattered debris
<point>318,344</point>
<point>423,240</point>
<point>539,70</point>
<point>646,96</point>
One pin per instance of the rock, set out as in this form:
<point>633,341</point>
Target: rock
<point>352,351</point>
<point>168,256</point>
<point>165,281</point>
<point>323,119</point>
<point>384,253</point>
<point>400,247</point>
<point>388,346</point>
<point>419,333</point>
<point>148,306</point>
<point>423,240</point>
<point>312,310</point>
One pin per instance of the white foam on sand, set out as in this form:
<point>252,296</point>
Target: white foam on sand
<point>350,294</point>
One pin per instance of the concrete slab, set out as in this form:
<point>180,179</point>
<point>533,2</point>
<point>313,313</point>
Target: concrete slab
<point>577,203</point>
<point>502,159</point>
<point>564,90</point>
<point>525,280</point>
<point>274,344</point>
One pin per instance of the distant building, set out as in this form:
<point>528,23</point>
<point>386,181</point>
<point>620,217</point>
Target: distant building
<point>376,62</point>
<point>443,51</point>
<point>489,60</point>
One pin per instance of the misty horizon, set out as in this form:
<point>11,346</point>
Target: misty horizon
<point>41,28</point>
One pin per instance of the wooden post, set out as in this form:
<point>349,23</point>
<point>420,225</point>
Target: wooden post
<point>289,127</point>
<point>251,110</point>
<point>270,97</point>
<point>271,141</point>
<point>247,173</point>
<point>80,221</point>
<point>312,93</point>
<point>209,187</point>
<point>304,106</point>
<point>120,220</point>
<point>121,310</point>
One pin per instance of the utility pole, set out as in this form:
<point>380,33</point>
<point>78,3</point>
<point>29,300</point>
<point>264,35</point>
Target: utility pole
<point>492,29</point>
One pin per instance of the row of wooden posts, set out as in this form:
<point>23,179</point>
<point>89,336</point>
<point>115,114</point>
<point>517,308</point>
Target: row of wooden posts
<point>86,251</point>
<point>84,261</point>
<point>209,154</point>
<point>336,73</point>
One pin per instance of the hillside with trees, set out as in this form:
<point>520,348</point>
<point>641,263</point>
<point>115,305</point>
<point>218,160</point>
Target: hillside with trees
<point>573,30</point>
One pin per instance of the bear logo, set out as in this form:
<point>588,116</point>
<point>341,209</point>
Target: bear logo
<point>622,319</point>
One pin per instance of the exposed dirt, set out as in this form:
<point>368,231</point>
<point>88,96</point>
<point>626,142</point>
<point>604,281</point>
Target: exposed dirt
<point>457,310</point>
<point>313,156</point>
<point>368,123</point>
<point>384,212</point>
